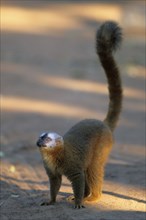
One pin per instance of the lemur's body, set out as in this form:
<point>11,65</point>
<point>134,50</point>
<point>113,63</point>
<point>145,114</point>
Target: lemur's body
<point>87,144</point>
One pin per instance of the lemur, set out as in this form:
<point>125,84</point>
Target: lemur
<point>81,154</point>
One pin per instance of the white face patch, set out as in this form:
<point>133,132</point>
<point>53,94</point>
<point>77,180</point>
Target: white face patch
<point>51,139</point>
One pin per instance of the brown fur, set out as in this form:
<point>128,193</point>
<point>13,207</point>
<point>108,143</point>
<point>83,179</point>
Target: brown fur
<point>95,171</point>
<point>87,144</point>
<point>53,157</point>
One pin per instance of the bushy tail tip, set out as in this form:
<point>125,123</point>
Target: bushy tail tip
<point>108,37</point>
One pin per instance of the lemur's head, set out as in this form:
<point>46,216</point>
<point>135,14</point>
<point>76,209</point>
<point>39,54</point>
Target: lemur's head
<point>49,140</point>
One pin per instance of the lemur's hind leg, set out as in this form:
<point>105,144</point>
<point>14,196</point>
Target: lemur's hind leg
<point>95,171</point>
<point>95,182</point>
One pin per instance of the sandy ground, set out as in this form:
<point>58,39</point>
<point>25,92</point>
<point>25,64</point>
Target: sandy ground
<point>51,78</point>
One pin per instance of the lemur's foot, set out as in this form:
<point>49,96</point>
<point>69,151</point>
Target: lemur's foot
<point>70,198</point>
<point>79,206</point>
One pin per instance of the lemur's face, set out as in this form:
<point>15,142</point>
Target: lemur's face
<point>49,140</point>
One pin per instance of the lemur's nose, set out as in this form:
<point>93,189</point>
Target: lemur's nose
<point>39,143</point>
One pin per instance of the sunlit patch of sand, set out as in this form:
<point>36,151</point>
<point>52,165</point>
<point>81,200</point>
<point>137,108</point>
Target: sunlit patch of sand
<point>61,17</point>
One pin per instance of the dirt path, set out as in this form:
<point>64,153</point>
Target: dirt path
<point>51,79</point>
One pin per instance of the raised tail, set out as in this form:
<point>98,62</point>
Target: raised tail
<point>108,39</point>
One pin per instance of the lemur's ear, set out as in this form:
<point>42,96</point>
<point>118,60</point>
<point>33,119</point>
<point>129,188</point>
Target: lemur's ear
<point>43,134</point>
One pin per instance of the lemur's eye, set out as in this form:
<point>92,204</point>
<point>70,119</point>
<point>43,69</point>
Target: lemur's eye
<point>48,139</point>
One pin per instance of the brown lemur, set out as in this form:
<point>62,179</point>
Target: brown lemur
<point>82,152</point>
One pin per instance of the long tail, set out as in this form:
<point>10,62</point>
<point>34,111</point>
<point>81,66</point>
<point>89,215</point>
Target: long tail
<point>108,39</point>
